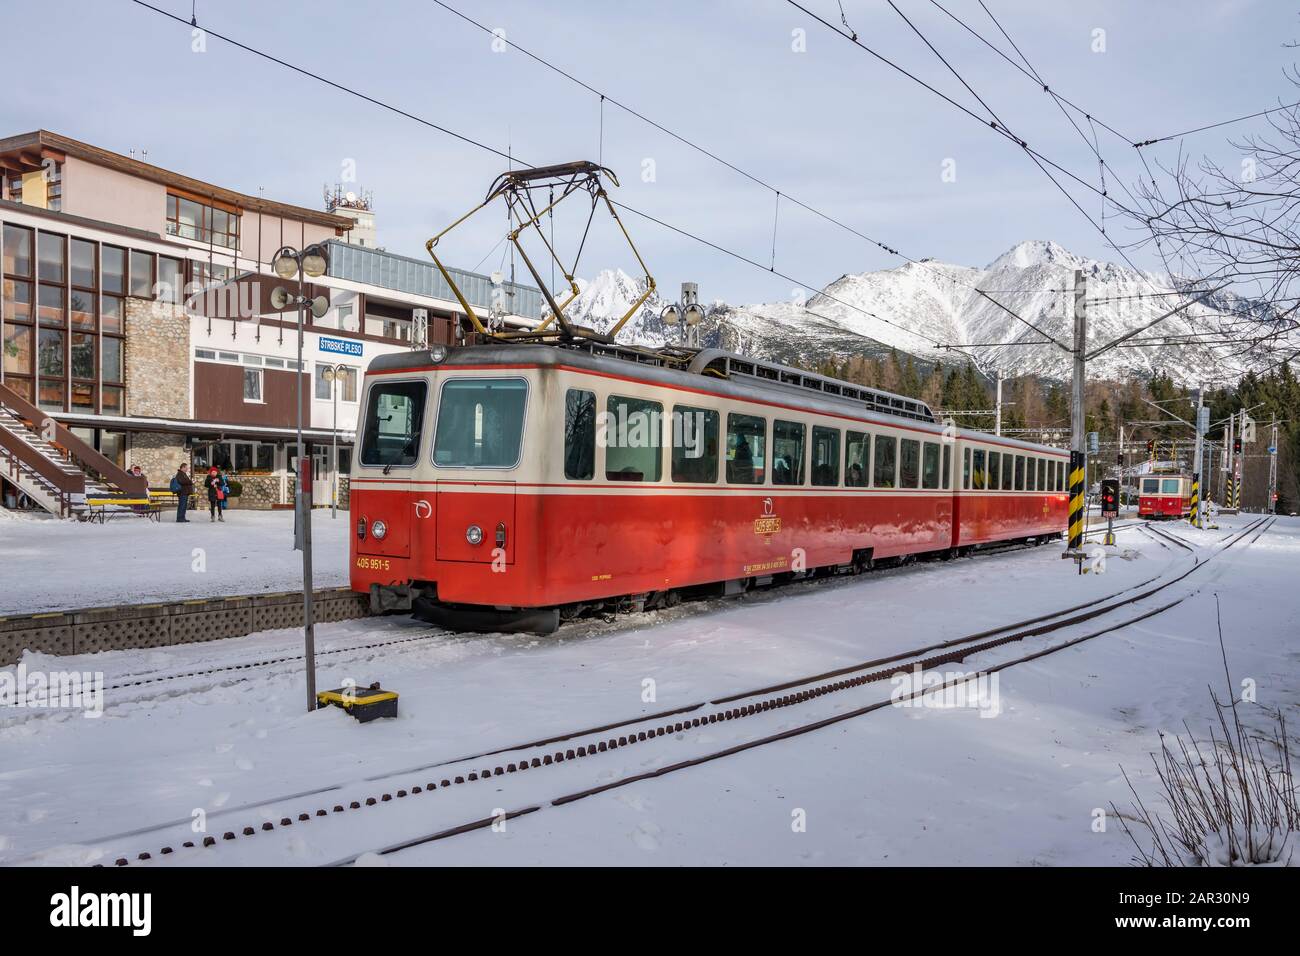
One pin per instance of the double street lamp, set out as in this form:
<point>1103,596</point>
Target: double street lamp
<point>335,375</point>
<point>686,315</point>
<point>289,263</point>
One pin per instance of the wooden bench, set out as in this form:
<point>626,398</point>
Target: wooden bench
<point>101,509</point>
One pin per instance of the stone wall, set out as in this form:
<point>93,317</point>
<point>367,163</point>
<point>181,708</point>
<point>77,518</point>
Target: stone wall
<point>158,455</point>
<point>157,360</point>
<point>157,366</point>
<point>259,492</point>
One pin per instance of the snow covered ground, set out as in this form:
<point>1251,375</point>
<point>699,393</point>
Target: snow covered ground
<point>900,785</point>
<point>49,565</point>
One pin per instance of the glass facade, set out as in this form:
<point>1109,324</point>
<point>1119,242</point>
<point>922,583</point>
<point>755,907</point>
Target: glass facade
<point>62,300</point>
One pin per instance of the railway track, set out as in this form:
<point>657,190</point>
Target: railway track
<point>337,801</point>
<point>244,670</point>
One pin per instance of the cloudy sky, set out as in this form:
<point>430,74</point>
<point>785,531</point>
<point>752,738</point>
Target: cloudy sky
<point>755,82</point>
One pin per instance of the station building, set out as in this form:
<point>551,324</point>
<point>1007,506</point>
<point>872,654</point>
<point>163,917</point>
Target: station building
<point>137,311</point>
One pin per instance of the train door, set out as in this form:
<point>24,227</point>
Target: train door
<point>477,447</point>
<point>391,439</point>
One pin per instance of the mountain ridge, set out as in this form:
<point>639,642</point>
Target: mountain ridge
<point>930,310</point>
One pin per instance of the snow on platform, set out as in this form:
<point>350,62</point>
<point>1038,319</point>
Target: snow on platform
<point>898,786</point>
<point>51,565</point>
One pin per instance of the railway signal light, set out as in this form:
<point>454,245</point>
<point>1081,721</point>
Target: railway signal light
<point>1236,445</point>
<point>1110,498</point>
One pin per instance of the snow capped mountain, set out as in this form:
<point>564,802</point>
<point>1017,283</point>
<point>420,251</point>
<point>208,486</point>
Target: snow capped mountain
<point>921,307</point>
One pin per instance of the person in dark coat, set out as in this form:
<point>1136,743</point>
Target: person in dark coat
<point>182,486</point>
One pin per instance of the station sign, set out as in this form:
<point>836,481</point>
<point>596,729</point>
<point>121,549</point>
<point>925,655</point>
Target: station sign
<point>340,346</point>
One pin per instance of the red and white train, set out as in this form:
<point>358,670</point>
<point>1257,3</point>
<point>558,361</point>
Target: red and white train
<point>510,486</point>
<point>1165,496</point>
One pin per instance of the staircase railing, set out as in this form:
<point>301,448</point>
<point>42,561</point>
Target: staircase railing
<point>19,456</point>
<point>134,486</point>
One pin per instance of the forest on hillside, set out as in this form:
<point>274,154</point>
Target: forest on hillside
<point>1039,410</point>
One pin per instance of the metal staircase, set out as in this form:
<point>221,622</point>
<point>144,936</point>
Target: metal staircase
<point>52,466</point>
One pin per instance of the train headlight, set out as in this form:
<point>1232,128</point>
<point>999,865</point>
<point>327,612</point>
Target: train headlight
<point>378,530</point>
<point>474,534</point>
<point>437,354</point>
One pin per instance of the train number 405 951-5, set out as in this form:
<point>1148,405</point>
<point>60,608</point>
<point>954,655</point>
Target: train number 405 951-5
<point>373,564</point>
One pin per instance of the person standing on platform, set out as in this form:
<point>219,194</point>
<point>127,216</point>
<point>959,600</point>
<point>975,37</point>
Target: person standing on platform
<point>182,486</point>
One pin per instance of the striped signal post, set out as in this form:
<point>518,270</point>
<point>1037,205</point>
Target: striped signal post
<point>1076,500</point>
<point>1195,516</point>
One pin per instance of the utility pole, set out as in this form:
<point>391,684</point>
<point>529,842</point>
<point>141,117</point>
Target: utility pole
<point>1237,462</point>
<point>1272,468</point>
<point>1228,457</point>
<point>997,419</point>
<point>1197,471</point>
<point>1078,460</point>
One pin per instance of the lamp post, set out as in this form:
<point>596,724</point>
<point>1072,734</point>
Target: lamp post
<point>287,263</point>
<point>334,375</point>
<point>687,315</point>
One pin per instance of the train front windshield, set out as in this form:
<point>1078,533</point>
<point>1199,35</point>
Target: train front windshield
<point>480,423</point>
<point>394,422</point>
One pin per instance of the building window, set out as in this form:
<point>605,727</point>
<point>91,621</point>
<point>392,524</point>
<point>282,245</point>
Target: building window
<point>112,359</point>
<point>18,251</point>
<point>17,301</point>
<point>50,258</point>
<point>171,280</point>
<point>113,270</point>
<point>17,349</point>
<point>345,379</point>
<point>83,264</point>
<point>142,275</point>
<point>54,187</point>
<point>252,384</point>
<point>190,219</point>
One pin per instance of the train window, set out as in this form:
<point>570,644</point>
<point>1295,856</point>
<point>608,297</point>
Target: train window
<point>746,449</point>
<point>1020,472</point>
<point>965,477</point>
<point>787,453</point>
<point>579,434</point>
<point>394,420</point>
<point>1150,486</point>
<point>825,456</point>
<point>930,466</point>
<point>480,423</point>
<point>1031,473</point>
<point>695,444</point>
<point>947,466</point>
<point>857,453</point>
<point>1008,471</point>
<point>884,475</point>
<point>1169,486</point>
<point>995,470</point>
<point>1060,476</point>
<point>909,471</point>
<point>1042,474</point>
<point>633,439</point>
<point>1051,475</point>
<point>977,472</point>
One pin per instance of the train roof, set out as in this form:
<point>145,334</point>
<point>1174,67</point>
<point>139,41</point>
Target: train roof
<point>715,370</point>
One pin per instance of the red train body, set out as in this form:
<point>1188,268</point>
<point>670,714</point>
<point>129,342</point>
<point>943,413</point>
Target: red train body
<point>1165,496</point>
<point>505,478</point>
